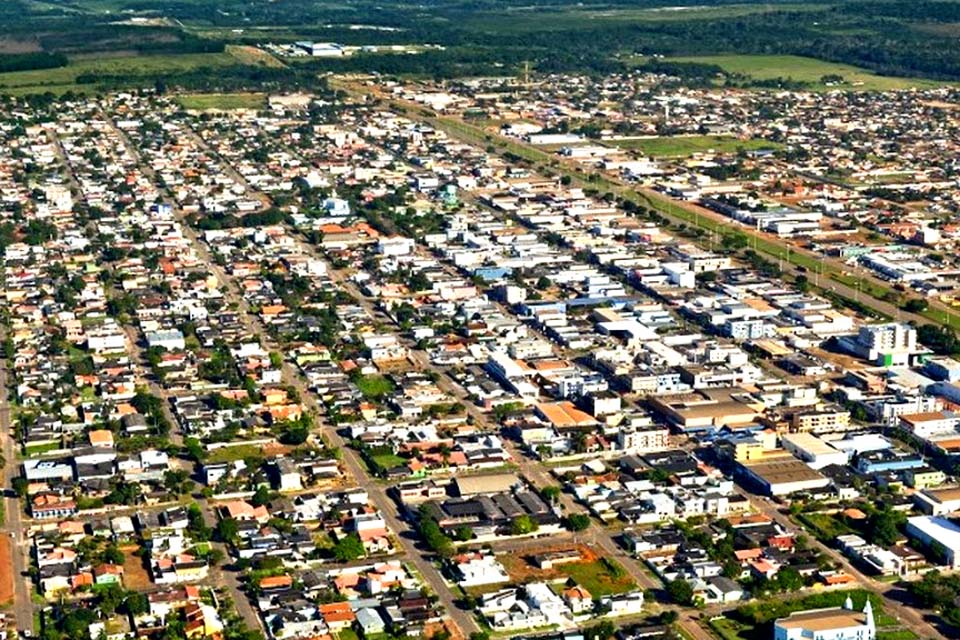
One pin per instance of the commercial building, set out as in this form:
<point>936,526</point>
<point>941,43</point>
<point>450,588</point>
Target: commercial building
<point>782,475</point>
<point>812,450</point>
<point>939,532</point>
<point>886,345</point>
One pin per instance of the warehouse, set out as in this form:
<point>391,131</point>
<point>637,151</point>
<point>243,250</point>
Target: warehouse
<point>946,535</point>
<point>812,450</point>
<point>784,475</point>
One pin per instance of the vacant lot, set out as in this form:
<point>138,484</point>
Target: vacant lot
<point>682,146</point>
<point>600,577</point>
<point>135,575</point>
<point>6,577</point>
<point>222,101</point>
<point>520,567</point>
<point>808,70</point>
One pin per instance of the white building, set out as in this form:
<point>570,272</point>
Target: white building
<point>828,624</point>
<point>933,529</point>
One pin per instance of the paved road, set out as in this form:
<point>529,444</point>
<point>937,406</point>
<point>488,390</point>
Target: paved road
<point>13,525</point>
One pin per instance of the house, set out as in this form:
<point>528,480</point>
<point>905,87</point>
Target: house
<point>476,569</point>
<point>578,599</point>
<point>286,475</point>
<point>337,615</point>
<point>370,622</point>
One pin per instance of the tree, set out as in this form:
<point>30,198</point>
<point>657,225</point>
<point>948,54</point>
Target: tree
<point>789,579</point>
<point>551,493</point>
<point>136,603</point>
<point>916,305</point>
<point>669,617</point>
<point>349,547</point>
<point>261,496</point>
<point>680,591</point>
<point>177,481</point>
<point>113,555</point>
<point>577,522</point>
<point>523,525</point>
<point>228,530</point>
<point>883,527</point>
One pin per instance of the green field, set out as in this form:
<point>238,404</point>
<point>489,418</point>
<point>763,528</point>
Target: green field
<point>239,452</point>
<point>388,461</point>
<point>598,578</point>
<point>222,101</point>
<point>808,70</point>
<point>64,79</point>
<point>682,146</point>
<point>374,387</point>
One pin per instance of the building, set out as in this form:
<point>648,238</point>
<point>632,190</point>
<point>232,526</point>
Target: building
<point>838,623</point>
<point>938,502</point>
<point>824,421</point>
<point>934,531</point>
<point>886,345</point>
<point>812,450</point>
<point>783,475</point>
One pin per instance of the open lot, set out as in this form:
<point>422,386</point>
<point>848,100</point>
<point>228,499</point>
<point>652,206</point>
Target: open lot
<point>6,576</point>
<point>598,576</point>
<point>135,575</point>
<point>682,146</point>
<point>222,101</point>
<point>808,70</point>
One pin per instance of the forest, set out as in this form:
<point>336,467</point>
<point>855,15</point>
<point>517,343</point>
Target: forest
<point>486,37</point>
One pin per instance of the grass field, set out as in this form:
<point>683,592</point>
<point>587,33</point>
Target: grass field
<point>374,387</point>
<point>598,578</point>
<point>222,101</point>
<point>388,461</point>
<point>824,526</point>
<point>899,634</point>
<point>239,452</point>
<point>64,79</point>
<point>808,70</point>
<point>682,146</point>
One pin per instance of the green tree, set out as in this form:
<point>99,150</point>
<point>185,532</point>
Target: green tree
<point>349,547</point>
<point>680,591</point>
<point>523,525</point>
<point>577,522</point>
<point>228,530</point>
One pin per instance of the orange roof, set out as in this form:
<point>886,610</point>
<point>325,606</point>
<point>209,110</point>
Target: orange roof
<point>272,582</point>
<point>564,414</point>
<point>748,554</point>
<point>101,438</point>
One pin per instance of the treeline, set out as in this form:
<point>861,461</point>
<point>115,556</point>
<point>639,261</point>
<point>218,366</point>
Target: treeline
<point>32,60</point>
<point>210,80</point>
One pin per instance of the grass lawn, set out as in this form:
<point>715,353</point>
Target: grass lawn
<point>374,387</point>
<point>901,634</point>
<point>809,70</point>
<point>238,452</point>
<point>682,146</point>
<point>824,526</point>
<point>37,449</point>
<point>886,620</point>
<point>64,78</point>
<point>731,630</point>
<point>348,634</point>
<point>388,461</point>
<point>222,101</point>
<point>599,578</point>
